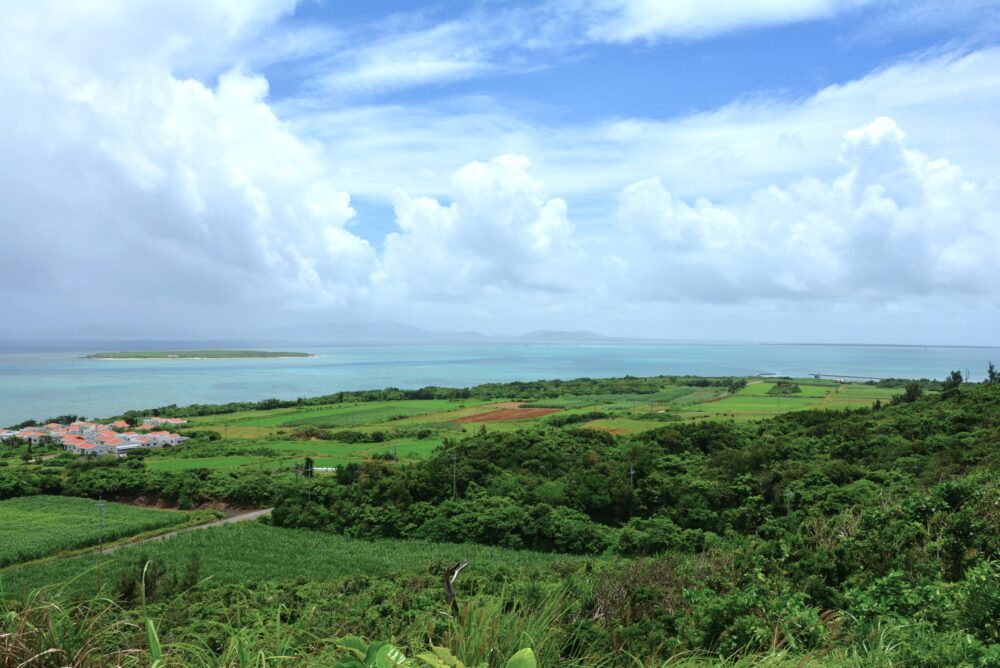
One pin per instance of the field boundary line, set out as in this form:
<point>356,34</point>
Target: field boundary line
<point>145,537</point>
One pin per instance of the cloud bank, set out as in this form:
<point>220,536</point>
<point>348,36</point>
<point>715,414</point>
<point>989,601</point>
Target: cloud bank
<point>123,181</point>
<point>156,178</point>
<point>895,225</point>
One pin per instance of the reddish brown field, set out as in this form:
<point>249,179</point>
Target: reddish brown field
<point>508,411</point>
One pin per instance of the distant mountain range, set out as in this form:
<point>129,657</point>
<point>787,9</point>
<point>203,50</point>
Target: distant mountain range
<point>345,331</point>
<point>311,333</point>
<point>388,330</point>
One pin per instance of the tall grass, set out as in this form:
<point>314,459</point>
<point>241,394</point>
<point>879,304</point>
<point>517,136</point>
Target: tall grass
<point>487,630</point>
<point>49,628</point>
<point>46,629</point>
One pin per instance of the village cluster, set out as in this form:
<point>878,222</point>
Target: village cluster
<point>92,438</point>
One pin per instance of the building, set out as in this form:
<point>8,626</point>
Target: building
<point>91,438</point>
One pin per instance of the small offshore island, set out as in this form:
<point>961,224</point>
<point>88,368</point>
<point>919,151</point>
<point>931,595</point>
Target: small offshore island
<point>193,355</point>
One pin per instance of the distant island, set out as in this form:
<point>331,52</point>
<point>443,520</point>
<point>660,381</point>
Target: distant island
<point>192,355</point>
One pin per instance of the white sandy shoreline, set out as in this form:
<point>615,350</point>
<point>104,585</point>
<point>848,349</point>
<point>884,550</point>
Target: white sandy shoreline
<point>175,358</point>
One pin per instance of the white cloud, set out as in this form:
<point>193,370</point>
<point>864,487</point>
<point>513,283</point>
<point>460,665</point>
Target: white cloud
<point>124,182</point>
<point>440,53</point>
<point>947,104</point>
<point>631,20</point>
<point>895,225</point>
<point>412,49</point>
<point>142,165</point>
<point>499,231</point>
<point>114,37</point>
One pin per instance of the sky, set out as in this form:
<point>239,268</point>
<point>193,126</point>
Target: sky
<point>781,170</point>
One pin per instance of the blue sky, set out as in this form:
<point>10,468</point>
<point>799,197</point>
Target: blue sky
<point>646,167</point>
<point>654,79</point>
<point>650,78</point>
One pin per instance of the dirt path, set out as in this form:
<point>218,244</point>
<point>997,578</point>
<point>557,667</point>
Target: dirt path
<point>242,517</point>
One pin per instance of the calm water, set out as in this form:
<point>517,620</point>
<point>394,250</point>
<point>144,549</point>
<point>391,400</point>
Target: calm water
<point>40,384</point>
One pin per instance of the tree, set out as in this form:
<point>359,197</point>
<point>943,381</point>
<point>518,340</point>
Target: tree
<point>992,375</point>
<point>914,390</point>
<point>952,382</point>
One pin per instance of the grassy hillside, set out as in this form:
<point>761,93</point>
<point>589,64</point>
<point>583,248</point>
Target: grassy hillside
<point>606,529</point>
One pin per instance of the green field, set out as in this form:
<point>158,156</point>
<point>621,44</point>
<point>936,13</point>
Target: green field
<point>188,463</point>
<point>705,541</point>
<point>285,453</point>
<point>38,526</point>
<point>192,354</point>
<point>407,429</point>
<point>754,402</point>
<point>348,415</point>
<point>252,551</point>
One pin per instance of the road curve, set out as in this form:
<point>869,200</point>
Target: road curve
<point>242,517</point>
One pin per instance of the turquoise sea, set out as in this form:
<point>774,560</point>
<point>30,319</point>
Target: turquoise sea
<point>39,381</point>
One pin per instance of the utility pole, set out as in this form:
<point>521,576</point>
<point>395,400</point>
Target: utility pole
<point>631,488</point>
<point>100,548</point>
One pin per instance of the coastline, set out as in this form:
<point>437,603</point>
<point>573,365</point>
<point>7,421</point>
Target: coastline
<point>62,381</point>
<point>176,358</point>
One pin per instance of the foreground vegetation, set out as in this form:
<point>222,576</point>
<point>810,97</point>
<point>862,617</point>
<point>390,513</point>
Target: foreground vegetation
<point>253,552</point>
<point>830,535</point>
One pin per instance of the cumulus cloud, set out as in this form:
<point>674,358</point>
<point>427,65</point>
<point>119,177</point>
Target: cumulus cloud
<point>499,231</point>
<point>145,165</point>
<point>895,225</point>
<point>123,181</point>
<point>946,102</point>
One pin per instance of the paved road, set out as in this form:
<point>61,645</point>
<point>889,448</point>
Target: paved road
<point>242,517</point>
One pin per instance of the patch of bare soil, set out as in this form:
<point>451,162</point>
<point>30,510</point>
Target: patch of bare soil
<point>510,411</point>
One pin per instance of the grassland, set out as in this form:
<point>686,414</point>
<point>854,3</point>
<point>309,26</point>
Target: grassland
<point>193,354</point>
<point>402,430</point>
<point>251,552</point>
<point>219,463</point>
<point>737,528</point>
<point>38,526</point>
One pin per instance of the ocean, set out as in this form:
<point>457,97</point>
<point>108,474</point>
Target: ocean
<point>38,381</point>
